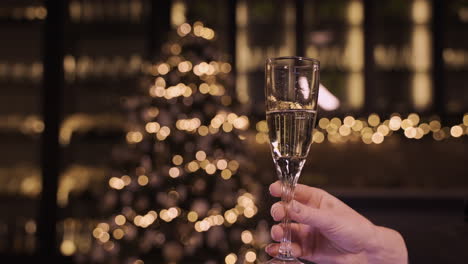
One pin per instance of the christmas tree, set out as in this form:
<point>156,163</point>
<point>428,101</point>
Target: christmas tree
<point>182,190</point>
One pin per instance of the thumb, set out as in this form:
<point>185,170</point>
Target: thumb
<point>317,218</point>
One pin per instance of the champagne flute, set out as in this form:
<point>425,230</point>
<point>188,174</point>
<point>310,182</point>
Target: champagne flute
<point>291,91</point>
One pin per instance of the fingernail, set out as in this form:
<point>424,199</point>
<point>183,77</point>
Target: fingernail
<point>274,209</point>
<point>269,188</point>
<point>296,207</point>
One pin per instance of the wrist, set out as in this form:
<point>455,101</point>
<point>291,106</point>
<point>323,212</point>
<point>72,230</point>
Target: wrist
<point>387,246</point>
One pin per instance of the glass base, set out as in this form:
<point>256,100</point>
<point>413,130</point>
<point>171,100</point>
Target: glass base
<point>291,260</point>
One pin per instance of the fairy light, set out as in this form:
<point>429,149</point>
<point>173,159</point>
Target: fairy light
<point>120,220</point>
<point>435,125</point>
<point>377,138</point>
<point>358,125</point>
<point>174,172</point>
<point>143,180</point>
<point>116,183</point>
<point>383,129</point>
<point>210,169</point>
<point>233,165</point>
<point>318,137</point>
<point>395,123</point>
<point>231,258</point>
<point>456,131</point>
<point>221,164</point>
<point>419,133</point>
<point>203,131</point>
<point>410,132</point>
<point>226,174</point>
<point>152,127</point>
<point>230,216</point>
<point>134,137</point>
<point>344,130</point>
<point>193,166</point>
<point>373,120</point>
<point>192,216</point>
<point>200,155</point>
<point>67,247</point>
<point>177,159</point>
<point>250,256</point>
<point>349,121</point>
<point>406,123</point>
<point>126,179</point>
<point>118,234</point>
<point>425,127</point>
<point>246,237</point>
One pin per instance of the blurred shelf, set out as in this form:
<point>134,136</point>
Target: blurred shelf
<point>18,206</point>
<point>10,22</point>
<point>100,29</point>
<point>26,258</point>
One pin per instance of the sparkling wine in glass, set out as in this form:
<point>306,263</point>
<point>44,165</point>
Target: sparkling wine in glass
<point>291,91</point>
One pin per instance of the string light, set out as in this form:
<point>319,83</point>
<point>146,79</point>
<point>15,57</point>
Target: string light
<point>231,258</point>
<point>374,130</point>
<point>250,256</point>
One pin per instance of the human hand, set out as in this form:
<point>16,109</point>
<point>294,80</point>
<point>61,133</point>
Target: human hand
<point>329,231</point>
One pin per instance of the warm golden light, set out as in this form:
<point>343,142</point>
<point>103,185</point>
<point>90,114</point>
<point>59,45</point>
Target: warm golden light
<point>456,131</point>
<point>200,155</point>
<point>410,132</point>
<point>210,169</point>
<point>174,172</point>
<point>246,237</point>
<point>178,13</point>
<point>383,129</point>
<point>318,137</point>
<point>192,216</point>
<point>435,125</point>
<point>406,123</point>
<point>120,220</point>
<point>425,127</point>
<point>377,138</point>
<point>349,121</point>
<point>163,68</point>
<point>116,183</point>
<point>177,160</point>
<point>134,137</point>
<point>335,121</point>
<point>193,166</point>
<point>421,11</point>
<point>395,123</point>
<point>143,180</point>
<point>230,216</point>
<point>221,164</point>
<point>250,256</point>
<point>373,120</point>
<point>358,126</point>
<point>67,247</point>
<point>118,233</point>
<point>414,118</point>
<point>203,131</point>
<point>231,258</point>
<point>233,165</point>
<point>344,130</point>
<point>226,174</point>
<point>104,237</point>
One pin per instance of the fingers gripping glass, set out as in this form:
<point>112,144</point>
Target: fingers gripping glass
<point>291,92</point>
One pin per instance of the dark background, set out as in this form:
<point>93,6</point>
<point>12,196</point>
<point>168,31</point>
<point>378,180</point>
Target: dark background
<point>65,66</point>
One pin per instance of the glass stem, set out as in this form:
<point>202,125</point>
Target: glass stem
<point>287,194</point>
